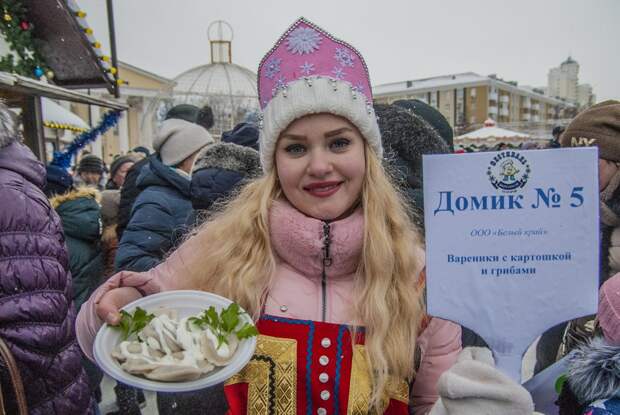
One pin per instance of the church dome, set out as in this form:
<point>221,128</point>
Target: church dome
<point>229,89</point>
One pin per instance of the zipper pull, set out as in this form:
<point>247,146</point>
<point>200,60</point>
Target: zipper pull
<point>327,260</point>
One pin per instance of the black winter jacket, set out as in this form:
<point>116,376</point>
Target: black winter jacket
<point>129,194</point>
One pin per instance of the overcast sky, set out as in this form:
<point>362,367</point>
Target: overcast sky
<point>400,39</point>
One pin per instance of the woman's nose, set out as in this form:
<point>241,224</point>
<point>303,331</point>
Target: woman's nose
<point>319,164</point>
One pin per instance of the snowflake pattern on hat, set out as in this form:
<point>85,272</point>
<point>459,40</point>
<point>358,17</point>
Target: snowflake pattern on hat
<point>344,57</point>
<point>272,68</point>
<point>307,51</point>
<point>339,73</point>
<point>307,68</point>
<point>304,40</point>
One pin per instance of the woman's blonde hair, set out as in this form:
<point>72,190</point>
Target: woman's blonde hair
<point>238,262</point>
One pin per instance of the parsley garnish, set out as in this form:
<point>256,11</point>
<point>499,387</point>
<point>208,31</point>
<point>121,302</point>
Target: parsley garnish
<point>131,324</point>
<point>225,323</point>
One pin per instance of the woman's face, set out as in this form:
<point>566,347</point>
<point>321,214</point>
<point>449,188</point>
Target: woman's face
<point>320,163</point>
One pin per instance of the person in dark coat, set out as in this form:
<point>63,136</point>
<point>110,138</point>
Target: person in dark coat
<point>245,134</point>
<point>432,116</point>
<point>118,171</point>
<point>592,384</point>
<point>220,170</point>
<point>37,316</point>
<point>406,137</point>
<point>597,126</point>
<point>130,192</point>
<point>164,203</point>
<point>90,172</point>
<point>191,113</point>
<point>80,213</point>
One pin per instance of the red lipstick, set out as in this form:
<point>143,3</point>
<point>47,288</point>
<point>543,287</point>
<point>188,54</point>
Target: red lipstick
<point>323,189</point>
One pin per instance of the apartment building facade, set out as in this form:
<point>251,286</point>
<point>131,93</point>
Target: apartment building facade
<point>467,99</point>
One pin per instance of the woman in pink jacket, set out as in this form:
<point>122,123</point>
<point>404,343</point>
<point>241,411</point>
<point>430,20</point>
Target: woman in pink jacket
<point>319,250</point>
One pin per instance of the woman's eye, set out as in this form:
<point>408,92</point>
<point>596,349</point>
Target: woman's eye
<point>340,143</point>
<point>295,149</point>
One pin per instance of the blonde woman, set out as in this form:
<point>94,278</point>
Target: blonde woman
<point>319,250</point>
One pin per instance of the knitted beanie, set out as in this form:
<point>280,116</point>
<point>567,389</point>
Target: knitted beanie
<point>308,71</point>
<point>178,139</point>
<point>430,115</point>
<point>597,126</point>
<point>91,163</point>
<point>244,134</point>
<point>609,309</point>
<point>59,181</point>
<point>118,162</point>
<point>201,116</point>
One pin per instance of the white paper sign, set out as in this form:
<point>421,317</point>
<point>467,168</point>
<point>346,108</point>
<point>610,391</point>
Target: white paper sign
<point>512,244</point>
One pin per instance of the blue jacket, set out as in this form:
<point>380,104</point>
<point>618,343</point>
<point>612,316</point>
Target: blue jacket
<point>161,208</point>
<point>220,170</point>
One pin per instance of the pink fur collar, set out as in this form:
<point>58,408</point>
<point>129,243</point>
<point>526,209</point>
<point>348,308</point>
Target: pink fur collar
<point>298,240</point>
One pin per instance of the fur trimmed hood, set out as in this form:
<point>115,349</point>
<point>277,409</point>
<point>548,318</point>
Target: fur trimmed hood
<point>594,371</point>
<point>82,191</point>
<point>229,156</point>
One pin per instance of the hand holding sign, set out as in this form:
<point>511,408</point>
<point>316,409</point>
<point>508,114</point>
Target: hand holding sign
<point>512,243</point>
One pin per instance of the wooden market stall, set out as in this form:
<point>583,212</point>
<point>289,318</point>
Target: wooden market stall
<point>60,54</point>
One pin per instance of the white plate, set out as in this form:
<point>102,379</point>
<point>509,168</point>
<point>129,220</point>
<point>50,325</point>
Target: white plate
<point>187,303</point>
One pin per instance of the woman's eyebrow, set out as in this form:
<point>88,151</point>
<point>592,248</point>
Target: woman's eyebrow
<point>294,137</point>
<point>336,132</point>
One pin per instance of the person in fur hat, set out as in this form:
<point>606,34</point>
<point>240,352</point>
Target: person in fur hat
<point>593,379</point>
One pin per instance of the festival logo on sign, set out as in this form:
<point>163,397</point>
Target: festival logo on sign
<point>508,171</point>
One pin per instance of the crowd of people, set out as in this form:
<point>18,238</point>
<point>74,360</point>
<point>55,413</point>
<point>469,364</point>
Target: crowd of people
<point>311,218</point>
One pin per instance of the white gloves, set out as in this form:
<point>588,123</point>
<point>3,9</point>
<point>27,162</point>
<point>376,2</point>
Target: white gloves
<point>474,387</point>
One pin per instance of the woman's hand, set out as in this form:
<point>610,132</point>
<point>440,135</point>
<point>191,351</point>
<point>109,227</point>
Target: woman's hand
<point>474,386</point>
<point>109,305</point>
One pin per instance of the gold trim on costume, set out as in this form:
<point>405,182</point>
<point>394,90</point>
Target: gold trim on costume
<point>360,388</point>
<point>282,353</point>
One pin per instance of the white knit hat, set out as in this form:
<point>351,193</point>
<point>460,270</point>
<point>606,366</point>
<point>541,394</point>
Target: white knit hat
<point>178,139</point>
<point>310,72</point>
